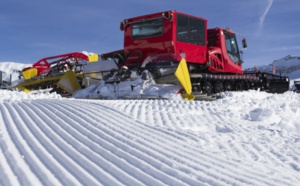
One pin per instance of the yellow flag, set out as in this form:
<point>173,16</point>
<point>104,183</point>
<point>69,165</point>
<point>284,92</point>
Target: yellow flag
<point>182,74</point>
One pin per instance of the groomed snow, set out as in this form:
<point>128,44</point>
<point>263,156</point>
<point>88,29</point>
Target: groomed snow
<point>244,138</point>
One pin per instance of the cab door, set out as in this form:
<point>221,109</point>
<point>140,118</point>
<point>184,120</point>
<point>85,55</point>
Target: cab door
<point>191,38</point>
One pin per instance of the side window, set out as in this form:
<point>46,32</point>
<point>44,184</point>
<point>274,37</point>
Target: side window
<point>232,48</point>
<point>149,28</point>
<point>231,44</point>
<point>211,39</point>
<point>182,28</point>
<point>190,30</point>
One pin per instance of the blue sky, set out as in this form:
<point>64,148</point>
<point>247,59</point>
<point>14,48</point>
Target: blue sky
<point>35,29</point>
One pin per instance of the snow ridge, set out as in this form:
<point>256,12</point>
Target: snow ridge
<point>242,139</point>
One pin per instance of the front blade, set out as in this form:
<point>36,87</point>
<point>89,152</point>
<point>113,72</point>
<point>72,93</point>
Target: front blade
<point>69,82</point>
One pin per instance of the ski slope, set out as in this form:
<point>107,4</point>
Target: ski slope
<point>248,138</point>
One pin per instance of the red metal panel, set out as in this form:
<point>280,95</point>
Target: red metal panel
<point>152,45</point>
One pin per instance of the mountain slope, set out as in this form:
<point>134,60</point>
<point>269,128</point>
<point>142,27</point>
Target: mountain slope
<point>289,65</point>
<point>11,68</point>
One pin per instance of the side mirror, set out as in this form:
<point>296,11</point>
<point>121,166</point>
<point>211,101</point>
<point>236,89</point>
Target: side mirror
<point>122,26</point>
<point>244,42</point>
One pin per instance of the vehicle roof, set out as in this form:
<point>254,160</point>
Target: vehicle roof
<point>153,15</point>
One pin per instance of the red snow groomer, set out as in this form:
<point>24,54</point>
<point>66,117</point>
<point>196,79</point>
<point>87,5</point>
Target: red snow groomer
<point>158,42</point>
<point>167,47</point>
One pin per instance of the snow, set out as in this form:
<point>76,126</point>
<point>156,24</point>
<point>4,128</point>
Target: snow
<point>129,89</point>
<point>11,68</point>
<point>244,138</point>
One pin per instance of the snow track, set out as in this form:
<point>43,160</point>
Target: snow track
<point>90,142</point>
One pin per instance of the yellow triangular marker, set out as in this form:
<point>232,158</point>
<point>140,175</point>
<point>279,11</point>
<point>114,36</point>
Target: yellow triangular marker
<point>182,74</point>
<point>93,58</point>
<point>69,82</point>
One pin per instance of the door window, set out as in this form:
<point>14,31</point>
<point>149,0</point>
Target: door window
<point>232,47</point>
